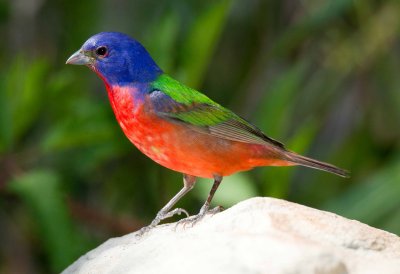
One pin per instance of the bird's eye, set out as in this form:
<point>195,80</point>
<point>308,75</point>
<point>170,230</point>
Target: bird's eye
<point>101,51</point>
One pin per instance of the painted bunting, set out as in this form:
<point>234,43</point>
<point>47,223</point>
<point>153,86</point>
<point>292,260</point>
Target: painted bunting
<point>177,126</point>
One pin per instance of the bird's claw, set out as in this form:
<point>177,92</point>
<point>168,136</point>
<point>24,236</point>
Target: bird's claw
<point>161,216</point>
<point>192,220</point>
<point>216,210</point>
<point>143,231</point>
<point>176,211</point>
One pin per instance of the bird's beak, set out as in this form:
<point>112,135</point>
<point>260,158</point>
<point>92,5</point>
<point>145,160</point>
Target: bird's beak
<point>79,58</point>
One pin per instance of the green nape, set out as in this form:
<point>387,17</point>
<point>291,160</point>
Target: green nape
<point>194,107</point>
<point>179,92</point>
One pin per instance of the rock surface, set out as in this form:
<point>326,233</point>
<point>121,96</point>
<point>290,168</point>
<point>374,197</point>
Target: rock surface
<point>259,235</point>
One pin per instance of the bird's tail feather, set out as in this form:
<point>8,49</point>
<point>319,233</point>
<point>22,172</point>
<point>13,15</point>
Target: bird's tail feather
<point>308,162</point>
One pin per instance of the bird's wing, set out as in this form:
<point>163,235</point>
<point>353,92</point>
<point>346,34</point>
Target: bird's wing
<point>172,100</point>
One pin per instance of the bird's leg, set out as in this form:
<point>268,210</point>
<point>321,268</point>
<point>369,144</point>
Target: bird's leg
<point>206,205</point>
<point>204,209</point>
<point>166,212</point>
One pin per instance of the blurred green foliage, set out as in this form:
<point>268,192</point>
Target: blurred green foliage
<point>321,76</point>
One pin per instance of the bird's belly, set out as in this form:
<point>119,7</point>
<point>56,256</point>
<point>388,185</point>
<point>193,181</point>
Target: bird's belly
<point>187,151</point>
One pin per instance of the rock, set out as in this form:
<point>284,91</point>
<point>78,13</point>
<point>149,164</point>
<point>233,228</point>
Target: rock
<point>259,235</point>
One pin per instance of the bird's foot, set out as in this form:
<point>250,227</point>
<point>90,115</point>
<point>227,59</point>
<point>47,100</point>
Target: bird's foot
<point>161,216</point>
<point>192,220</point>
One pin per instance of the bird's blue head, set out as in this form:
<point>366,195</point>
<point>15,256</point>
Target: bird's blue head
<point>117,58</point>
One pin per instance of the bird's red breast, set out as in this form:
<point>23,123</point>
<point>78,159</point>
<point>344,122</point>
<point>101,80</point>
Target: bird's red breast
<point>181,148</point>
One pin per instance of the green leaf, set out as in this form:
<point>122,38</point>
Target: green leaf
<point>201,41</point>
<point>41,192</point>
<point>371,199</point>
<point>162,40</point>
<point>277,103</point>
<point>22,99</point>
<point>309,25</point>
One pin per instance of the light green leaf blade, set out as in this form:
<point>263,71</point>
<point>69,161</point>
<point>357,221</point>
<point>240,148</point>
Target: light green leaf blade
<point>200,44</point>
<point>40,190</point>
<point>371,199</point>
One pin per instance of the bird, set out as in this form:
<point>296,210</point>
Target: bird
<point>179,127</point>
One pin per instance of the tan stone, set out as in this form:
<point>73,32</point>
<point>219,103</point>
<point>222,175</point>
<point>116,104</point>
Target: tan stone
<point>259,235</point>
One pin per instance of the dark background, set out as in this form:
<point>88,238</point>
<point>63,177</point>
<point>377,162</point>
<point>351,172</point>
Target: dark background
<point>321,76</point>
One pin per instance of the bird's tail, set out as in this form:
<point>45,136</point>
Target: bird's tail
<point>308,162</point>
